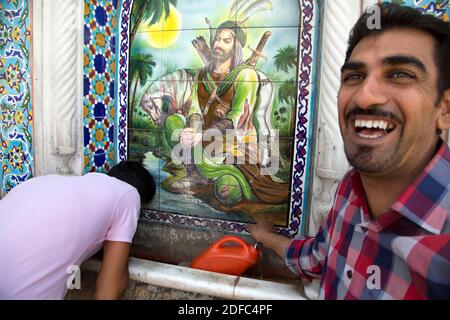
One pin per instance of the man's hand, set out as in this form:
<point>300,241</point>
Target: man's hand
<point>112,279</point>
<point>262,229</point>
<point>265,233</point>
<point>190,137</point>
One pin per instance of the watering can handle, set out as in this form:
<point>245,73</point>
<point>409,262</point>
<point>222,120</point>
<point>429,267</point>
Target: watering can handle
<point>231,239</point>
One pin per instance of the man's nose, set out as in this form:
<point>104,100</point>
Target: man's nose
<point>371,92</point>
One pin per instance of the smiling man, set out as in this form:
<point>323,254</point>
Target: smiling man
<point>387,235</point>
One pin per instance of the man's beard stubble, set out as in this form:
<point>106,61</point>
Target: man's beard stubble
<point>362,160</point>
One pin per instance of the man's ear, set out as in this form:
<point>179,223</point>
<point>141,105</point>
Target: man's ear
<point>443,120</point>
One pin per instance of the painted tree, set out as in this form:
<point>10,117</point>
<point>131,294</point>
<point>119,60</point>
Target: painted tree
<point>144,10</point>
<point>285,60</point>
<point>141,68</point>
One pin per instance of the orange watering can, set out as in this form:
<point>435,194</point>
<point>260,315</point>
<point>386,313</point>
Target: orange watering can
<point>227,259</point>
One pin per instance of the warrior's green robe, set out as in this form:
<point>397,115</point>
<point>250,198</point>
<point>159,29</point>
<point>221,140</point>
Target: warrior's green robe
<point>236,95</point>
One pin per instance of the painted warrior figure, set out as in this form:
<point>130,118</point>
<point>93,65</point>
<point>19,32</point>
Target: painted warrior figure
<point>227,94</point>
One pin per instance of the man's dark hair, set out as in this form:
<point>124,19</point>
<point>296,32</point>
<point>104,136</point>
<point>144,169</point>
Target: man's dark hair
<point>393,16</point>
<point>136,175</point>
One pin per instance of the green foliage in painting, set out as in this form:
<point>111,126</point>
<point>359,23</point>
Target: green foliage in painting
<point>144,10</point>
<point>141,68</point>
<point>288,92</point>
<point>286,58</point>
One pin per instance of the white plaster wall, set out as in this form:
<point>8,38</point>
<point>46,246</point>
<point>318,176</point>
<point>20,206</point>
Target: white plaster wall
<point>330,161</point>
<point>58,84</point>
<point>368,3</point>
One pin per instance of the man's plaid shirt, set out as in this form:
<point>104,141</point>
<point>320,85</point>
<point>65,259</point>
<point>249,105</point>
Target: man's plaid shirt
<point>404,254</point>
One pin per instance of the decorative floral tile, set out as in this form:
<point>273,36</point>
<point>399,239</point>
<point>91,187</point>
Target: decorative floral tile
<point>16,151</point>
<point>99,81</point>
<point>439,8</point>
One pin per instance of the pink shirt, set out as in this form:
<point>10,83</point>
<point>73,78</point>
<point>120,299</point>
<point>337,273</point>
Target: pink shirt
<point>51,223</point>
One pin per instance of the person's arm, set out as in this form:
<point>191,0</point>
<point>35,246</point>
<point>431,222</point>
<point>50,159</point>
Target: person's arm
<point>303,256</point>
<point>264,232</point>
<point>112,279</point>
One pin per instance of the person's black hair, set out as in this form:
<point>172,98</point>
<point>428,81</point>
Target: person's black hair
<point>136,175</point>
<point>395,16</point>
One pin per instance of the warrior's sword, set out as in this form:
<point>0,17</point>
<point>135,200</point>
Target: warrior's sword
<point>257,53</point>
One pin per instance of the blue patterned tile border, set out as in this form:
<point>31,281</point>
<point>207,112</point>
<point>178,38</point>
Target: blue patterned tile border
<point>122,79</point>
<point>100,20</point>
<point>16,113</point>
<point>305,110</point>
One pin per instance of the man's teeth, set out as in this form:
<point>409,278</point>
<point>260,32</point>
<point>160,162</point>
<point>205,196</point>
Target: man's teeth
<point>370,136</point>
<point>369,124</point>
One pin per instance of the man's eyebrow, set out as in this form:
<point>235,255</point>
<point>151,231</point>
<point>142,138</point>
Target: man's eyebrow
<point>352,65</point>
<point>401,60</point>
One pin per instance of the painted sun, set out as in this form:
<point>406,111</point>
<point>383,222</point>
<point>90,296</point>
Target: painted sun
<point>166,31</point>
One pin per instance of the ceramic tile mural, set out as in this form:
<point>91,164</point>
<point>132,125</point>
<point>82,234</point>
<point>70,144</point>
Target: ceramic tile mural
<point>16,152</point>
<point>439,8</point>
<point>162,79</point>
<point>151,58</point>
<point>99,80</point>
